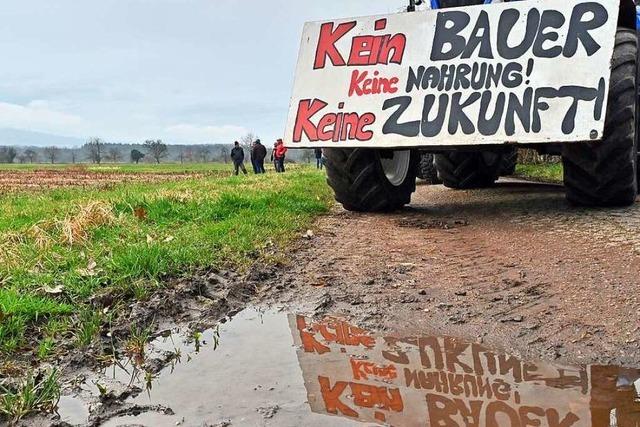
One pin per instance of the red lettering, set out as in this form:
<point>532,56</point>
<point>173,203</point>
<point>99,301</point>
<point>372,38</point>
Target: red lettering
<point>309,343</point>
<point>331,397</point>
<point>365,49</point>
<point>336,127</point>
<point>553,418</point>
<point>327,44</point>
<point>361,50</point>
<point>362,85</point>
<point>306,110</point>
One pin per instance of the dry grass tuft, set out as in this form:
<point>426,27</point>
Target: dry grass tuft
<point>75,230</point>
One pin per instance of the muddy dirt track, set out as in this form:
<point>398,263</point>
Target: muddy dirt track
<point>513,267</point>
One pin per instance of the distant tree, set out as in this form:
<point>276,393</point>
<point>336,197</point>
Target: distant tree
<point>202,153</point>
<point>156,149</point>
<point>136,156</point>
<point>74,156</point>
<point>94,148</point>
<point>247,140</point>
<point>7,154</point>
<point>181,155</point>
<point>22,158</point>
<point>51,153</point>
<point>224,154</point>
<point>114,155</point>
<point>31,155</point>
<point>307,155</point>
<point>188,155</point>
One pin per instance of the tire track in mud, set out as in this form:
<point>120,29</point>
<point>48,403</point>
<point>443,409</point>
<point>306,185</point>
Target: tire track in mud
<point>513,266</point>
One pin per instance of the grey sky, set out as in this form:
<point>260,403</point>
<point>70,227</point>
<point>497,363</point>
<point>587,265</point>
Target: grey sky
<point>182,70</point>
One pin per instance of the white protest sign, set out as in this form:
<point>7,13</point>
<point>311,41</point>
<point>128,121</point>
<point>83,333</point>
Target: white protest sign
<point>527,72</point>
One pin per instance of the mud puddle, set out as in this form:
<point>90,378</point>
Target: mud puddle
<point>274,368</point>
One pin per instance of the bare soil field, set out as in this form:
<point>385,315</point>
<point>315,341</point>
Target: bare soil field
<point>41,179</point>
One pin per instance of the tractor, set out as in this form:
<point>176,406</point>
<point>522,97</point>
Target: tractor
<point>597,173</point>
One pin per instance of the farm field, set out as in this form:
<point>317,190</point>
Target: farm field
<point>120,232</point>
<point>15,178</point>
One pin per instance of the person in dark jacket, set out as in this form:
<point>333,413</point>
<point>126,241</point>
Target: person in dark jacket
<point>237,156</point>
<point>319,159</point>
<point>273,156</point>
<point>253,160</point>
<point>258,154</point>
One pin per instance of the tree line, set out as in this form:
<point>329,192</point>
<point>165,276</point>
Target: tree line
<point>97,151</point>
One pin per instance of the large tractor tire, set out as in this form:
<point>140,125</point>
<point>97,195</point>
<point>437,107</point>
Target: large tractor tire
<point>603,173</point>
<point>509,162</point>
<point>427,169</point>
<point>463,170</point>
<point>370,180</point>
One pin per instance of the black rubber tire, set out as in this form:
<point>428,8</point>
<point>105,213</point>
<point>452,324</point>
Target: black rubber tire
<point>604,173</point>
<point>509,162</point>
<point>359,183</point>
<point>463,170</point>
<point>427,169</point>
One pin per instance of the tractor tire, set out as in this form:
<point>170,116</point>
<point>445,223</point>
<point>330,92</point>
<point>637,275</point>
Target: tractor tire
<point>604,173</point>
<point>464,170</point>
<point>509,162</point>
<point>427,169</point>
<point>360,183</point>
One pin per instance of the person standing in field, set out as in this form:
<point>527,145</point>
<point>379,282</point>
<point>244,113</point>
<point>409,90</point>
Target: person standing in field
<point>279,154</point>
<point>253,160</point>
<point>237,156</point>
<point>273,156</point>
<point>319,159</point>
<point>258,154</point>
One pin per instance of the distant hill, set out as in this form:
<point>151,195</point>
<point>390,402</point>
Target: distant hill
<point>16,137</point>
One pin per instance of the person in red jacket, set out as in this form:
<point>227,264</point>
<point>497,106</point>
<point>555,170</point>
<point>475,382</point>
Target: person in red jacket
<point>279,154</point>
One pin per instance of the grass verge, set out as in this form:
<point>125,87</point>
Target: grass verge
<point>59,248</point>
<point>543,172</point>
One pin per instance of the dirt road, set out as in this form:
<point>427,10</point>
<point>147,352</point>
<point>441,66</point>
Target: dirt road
<point>514,267</point>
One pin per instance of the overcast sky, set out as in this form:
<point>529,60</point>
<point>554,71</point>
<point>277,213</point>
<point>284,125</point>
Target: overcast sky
<point>181,70</point>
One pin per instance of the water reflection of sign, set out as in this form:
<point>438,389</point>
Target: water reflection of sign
<point>440,381</point>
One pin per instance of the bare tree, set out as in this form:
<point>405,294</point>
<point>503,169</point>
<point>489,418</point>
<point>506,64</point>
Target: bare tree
<point>51,153</point>
<point>156,149</point>
<point>203,153</point>
<point>114,155</point>
<point>31,155</point>
<point>188,155</point>
<point>7,154</point>
<point>74,155</point>
<point>22,158</point>
<point>94,148</point>
<point>247,140</point>
<point>307,155</point>
<point>224,154</point>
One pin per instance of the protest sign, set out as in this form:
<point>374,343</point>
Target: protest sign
<point>528,72</point>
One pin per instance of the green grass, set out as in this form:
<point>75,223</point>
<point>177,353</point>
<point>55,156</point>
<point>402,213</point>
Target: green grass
<point>60,247</point>
<point>543,172</point>
<point>35,393</point>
